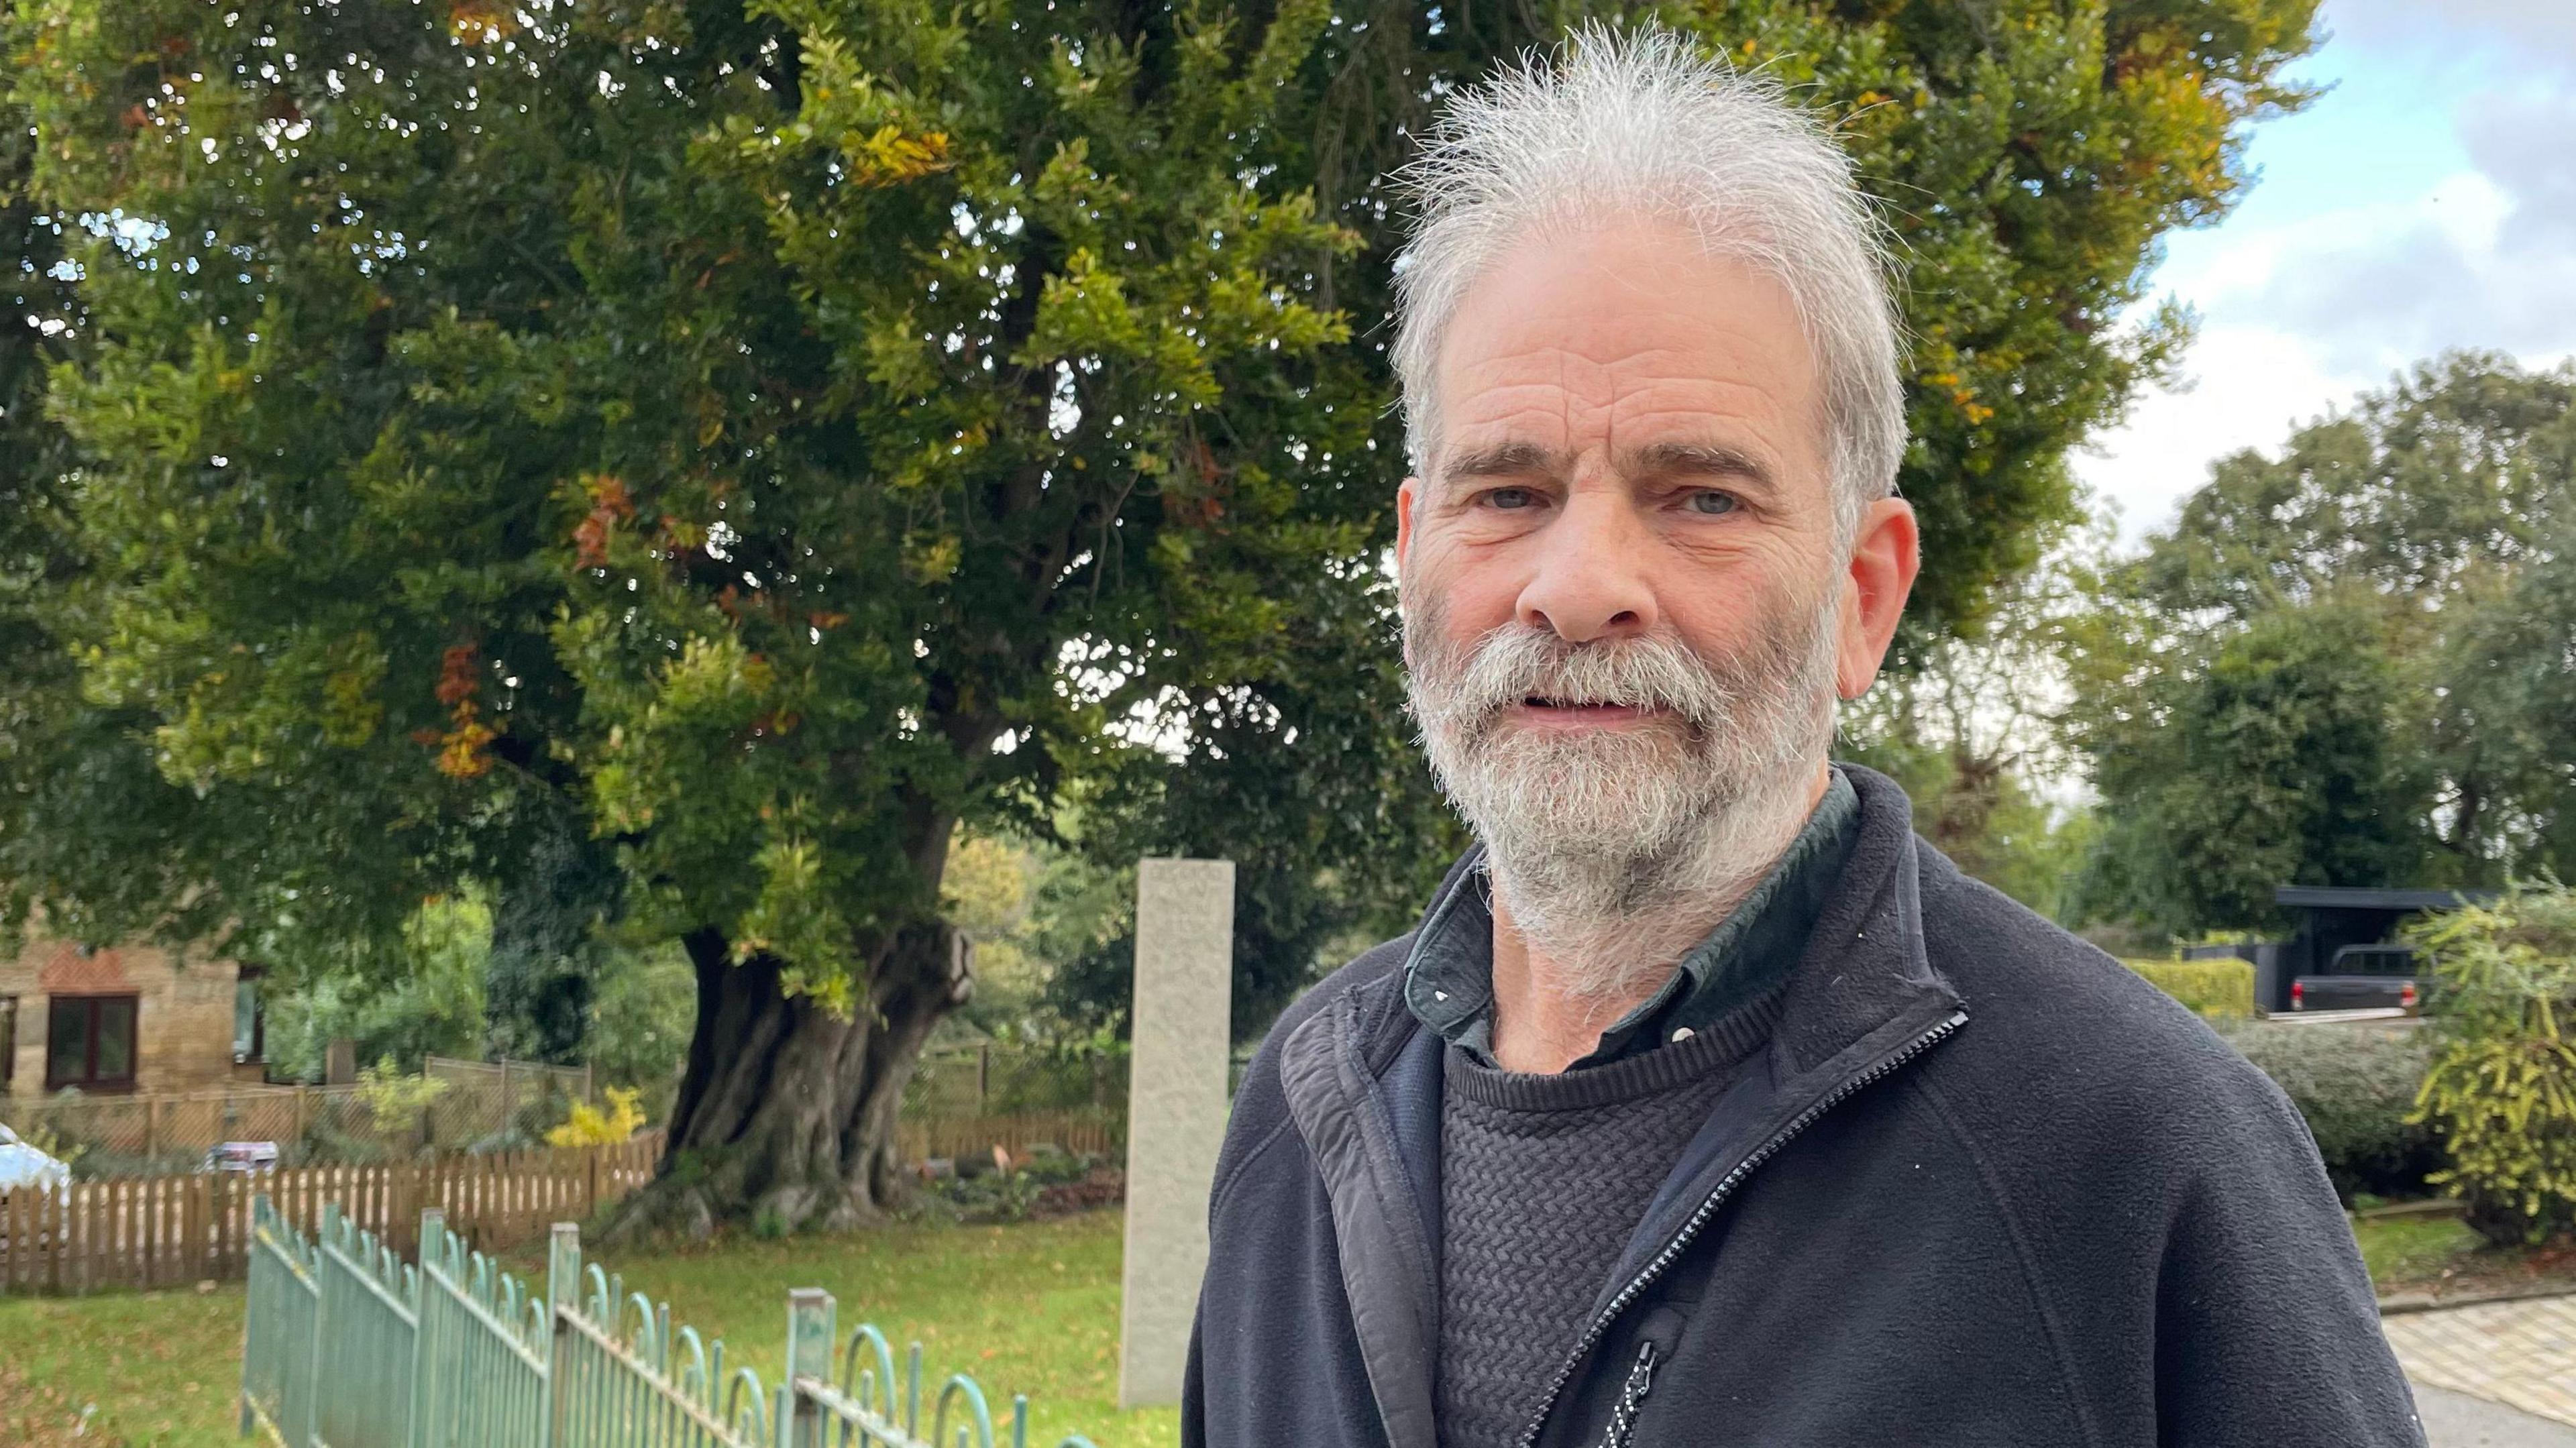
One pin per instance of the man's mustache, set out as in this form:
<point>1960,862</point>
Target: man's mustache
<point>1519,662</point>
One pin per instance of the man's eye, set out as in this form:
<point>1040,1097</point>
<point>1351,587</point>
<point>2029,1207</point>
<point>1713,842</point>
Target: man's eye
<point>1510,498</point>
<point>1713,503</point>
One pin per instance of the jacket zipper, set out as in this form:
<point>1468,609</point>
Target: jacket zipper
<point>1681,1241</point>
<point>1632,1398</point>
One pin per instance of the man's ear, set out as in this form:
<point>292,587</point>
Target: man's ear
<point>1404,497</point>
<point>1884,558</point>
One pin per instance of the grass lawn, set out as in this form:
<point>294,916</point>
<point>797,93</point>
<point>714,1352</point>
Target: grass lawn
<point>161,1367</point>
<point>1023,1309</point>
<point>2414,1249</point>
<point>1031,1308</point>
<point>2438,1255</point>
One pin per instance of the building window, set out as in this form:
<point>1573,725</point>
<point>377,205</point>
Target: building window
<point>250,1019</point>
<point>89,1043</point>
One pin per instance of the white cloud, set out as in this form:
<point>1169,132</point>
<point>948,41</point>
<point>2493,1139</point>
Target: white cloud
<point>2246,387</point>
<point>2375,288</point>
<point>2301,311</point>
<point>2542,30</point>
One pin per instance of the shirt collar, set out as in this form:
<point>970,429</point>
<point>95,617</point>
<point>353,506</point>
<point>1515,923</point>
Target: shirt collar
<point>1449,975</point>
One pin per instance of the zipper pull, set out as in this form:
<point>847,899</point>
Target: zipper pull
<point>1632,1398</point>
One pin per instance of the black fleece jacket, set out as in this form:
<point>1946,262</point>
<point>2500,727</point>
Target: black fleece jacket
<point>1985,1188</point>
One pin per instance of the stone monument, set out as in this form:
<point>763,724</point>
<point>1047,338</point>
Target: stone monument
<point>1176,1110</point>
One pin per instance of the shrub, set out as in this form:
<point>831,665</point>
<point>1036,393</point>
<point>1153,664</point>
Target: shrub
<point>324,1143</point>
<point>1048,1180</point>
<point>2502,1089</point>
<point>589,1126</point>
<point>426,999</point>
<point>1060,1075</point>
<point>2355,1085</point>
<point>2218,990</point>
<point>643,1007</point>
<point>502,1142</point>
<point>103,1163</point>
<point>55,1142</point>
<point>395,1102</point>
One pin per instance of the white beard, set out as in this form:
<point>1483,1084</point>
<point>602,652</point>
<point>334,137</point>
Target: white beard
<point>1614,850</point>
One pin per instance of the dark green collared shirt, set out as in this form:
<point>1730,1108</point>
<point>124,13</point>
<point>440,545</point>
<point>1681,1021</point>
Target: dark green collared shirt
<point>1449,977</point>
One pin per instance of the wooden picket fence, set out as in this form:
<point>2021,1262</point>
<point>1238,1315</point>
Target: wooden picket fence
<point>172,1231</point>
<point>176,1230</point>
<point>1081,1132</point>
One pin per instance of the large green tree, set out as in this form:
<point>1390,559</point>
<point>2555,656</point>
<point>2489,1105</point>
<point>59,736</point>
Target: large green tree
<point>2349,664</point>
<point>760,437</point>
<point>2030,155</point>
<point>39,328</point>
<point>2276,760</point>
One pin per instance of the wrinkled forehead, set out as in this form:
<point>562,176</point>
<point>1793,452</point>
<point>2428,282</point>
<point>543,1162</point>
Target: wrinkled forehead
<point>1621,339</point>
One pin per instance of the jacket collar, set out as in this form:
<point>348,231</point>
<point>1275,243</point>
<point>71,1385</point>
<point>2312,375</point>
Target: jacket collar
<point>1449,971</point>
<point>1863,964</point>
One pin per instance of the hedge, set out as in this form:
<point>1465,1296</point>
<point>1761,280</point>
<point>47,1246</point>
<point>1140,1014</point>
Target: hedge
<point>2355,1084</point>
<point>2218,989</point>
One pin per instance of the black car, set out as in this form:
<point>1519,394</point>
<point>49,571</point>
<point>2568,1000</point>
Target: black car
<point>2361,977</point>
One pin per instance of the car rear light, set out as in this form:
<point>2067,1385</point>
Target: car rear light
<point>2406,996</point>
<point>2298,995</point>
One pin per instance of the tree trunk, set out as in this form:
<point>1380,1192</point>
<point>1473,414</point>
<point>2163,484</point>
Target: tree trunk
<point>786,1112</point>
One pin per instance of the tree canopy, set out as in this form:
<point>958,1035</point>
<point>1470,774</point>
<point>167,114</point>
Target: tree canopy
<point>673,461</point>
<point>2350,664</point>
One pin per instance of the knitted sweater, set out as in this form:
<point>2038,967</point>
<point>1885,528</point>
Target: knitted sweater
<point>1544,1179</point>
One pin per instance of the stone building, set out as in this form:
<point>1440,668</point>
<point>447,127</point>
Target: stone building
<point>124,1018</point>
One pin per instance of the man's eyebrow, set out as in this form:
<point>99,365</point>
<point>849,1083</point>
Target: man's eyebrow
<point>1706,459</point>
<point>1502,460</point>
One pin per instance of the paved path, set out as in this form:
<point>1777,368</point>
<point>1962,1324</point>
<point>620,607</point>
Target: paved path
<point>2456,1420</point>
<point>2519,1354</point>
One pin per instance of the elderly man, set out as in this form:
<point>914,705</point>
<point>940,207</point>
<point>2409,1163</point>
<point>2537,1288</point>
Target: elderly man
<point>1707,1104</point>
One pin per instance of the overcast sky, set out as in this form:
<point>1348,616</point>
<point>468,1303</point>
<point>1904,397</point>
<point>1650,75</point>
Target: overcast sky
<point>2428,201</point>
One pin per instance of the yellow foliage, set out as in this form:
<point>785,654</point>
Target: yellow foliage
<point>888,157</point>
<point>2507,1110</point>
<point>2216,989</point>
<point>394,1101</point>
<point>464,752</point>
<point>2502,1092</point>
<point>930,557</point>
<point>43,1137</point>
<point>589,1126</point>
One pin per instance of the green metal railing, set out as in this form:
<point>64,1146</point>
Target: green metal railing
<point>284,1317</point>
<point>348,1346</point>
<point>484,1357</point>
<point>370,1299</point>
<point>628,1376</point>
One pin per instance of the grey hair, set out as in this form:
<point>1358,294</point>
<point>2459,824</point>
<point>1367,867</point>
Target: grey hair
<point>1640,123</point>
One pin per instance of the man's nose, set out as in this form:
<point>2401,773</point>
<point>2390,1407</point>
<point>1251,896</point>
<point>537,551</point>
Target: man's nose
<point>1591,577</point>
